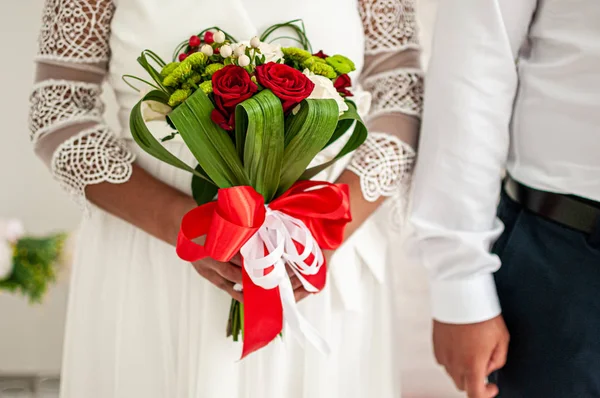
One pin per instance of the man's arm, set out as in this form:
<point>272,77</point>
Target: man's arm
<point>470,89</point>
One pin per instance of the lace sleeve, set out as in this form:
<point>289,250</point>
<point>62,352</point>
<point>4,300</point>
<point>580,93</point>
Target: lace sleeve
<point>393,75</point>
<point>66,124</point>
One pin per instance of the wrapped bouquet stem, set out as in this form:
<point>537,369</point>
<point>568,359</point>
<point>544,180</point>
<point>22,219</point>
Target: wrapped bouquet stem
<point>255,115</point>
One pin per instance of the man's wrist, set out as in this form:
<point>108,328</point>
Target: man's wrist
<point>463,301</point>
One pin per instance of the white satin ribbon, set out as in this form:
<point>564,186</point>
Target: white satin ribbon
<point>277,234</point>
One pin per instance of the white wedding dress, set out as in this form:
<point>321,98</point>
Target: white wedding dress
<point>142,323</point>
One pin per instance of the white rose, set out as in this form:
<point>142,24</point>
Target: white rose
<point>6,260</point>
<point>155,111</point>
<point>324,89</point>
<point>272,52</point>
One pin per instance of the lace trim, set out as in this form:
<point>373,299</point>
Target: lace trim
<point>93,156</point>
<point>57,103</point>
<point>384,164</point>
<point>76,31</point>
<point>390,25</point>
<point>399,90</point>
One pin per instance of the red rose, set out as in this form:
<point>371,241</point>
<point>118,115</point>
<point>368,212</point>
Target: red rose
<point>321,54</point>
<point>231,85</point>
<point>342,83</point>
<point>287,83</point>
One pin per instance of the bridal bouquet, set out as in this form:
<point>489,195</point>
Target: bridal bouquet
<point>27,265</point>
<point>255,115</point>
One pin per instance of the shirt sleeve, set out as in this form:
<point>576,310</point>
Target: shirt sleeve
<point>393,76</point>
<point>471,85</point>
<point>66,121</point>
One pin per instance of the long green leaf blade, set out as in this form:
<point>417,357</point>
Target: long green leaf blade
<point>263,150</point>
<point>202,190</point>
<point>307,133</point>
<point>359,135</point>
<point>144,138</point>
<point>210,145</point>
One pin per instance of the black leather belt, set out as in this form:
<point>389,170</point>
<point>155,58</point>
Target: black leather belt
<point>571,211</point>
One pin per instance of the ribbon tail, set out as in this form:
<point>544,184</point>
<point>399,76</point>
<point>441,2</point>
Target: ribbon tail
<point>302,330</point>
<point>263,315</point>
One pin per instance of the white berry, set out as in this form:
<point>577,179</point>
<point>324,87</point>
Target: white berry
<point>244,60</point>
<point>240,50</point>
<point>206,50</point>
<point>226,51</point>
<point>219,37</point>
<point>255,42</point>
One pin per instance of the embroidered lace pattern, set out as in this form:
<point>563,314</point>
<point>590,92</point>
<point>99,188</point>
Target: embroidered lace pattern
<point>390,25</point>
<point>75,39</point>
<point>92,156</point>
<point>58,103</point>
<point>398,90</point>
<point>384,164</point>
<point>76,31</point>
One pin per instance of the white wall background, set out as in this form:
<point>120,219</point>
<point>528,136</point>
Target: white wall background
<point>31,337</point>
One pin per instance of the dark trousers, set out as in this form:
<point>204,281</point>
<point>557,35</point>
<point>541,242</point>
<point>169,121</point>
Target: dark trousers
<point>549,288</point>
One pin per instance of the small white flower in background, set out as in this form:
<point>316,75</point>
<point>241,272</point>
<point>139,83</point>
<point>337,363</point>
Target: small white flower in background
<point>324,89</point>
<point>244,60</point>
<point>207,50</point>
<point>239,49</point>
<point>255,42</point>
<point>6,259</point>
<point>219,37</point>
<point>11,230</point>
<point>154,110</point>
<point>226,51</point>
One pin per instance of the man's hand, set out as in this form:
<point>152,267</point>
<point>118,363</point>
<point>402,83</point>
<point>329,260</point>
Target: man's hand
<point>471,352</point>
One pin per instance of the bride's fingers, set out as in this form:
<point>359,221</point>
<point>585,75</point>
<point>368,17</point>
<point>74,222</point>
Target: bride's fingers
<point>301,294</point>
<point>296,283</point>
<point>228,271</point>
<point>220,282</point>
<point>237,260</point>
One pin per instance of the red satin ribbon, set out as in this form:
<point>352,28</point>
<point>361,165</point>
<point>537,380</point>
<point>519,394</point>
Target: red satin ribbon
<point>237,215</point>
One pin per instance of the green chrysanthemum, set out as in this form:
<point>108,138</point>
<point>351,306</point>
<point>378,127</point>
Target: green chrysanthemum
<point>167,70</point>
<point>196,60</point>
<point>206,87</point>
<point>179,96</point>
<point>295,54</point>
<point>212,68</point>
<point>179,75</point>
<point>312,60</point>
<point>341,64</point>
<point>319,68</point>
<point>192,81</point>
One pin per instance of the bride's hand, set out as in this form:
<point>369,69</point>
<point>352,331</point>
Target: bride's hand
<point>299,291</point>
<point>222,275</point>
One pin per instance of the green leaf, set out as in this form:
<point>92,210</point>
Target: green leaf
<point>211,146</point>
<point>202,190</point>
<point>260,120</point>
<point>155,74</point>
<point>144,138</point>
<point>359,135</point>
<point>306,135</point>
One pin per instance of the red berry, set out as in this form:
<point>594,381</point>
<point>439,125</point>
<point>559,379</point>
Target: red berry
<point>182,57</point>
<point>194,41</point>
<point>209,37</point>
<point>217,50</point>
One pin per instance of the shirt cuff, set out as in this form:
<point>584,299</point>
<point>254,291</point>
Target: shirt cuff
<point>465,301</point>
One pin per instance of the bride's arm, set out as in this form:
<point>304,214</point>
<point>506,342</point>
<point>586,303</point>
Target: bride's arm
<point>69,133</point>
<point>382,166</point>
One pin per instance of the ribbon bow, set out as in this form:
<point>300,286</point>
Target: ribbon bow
<point>292,230</point>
